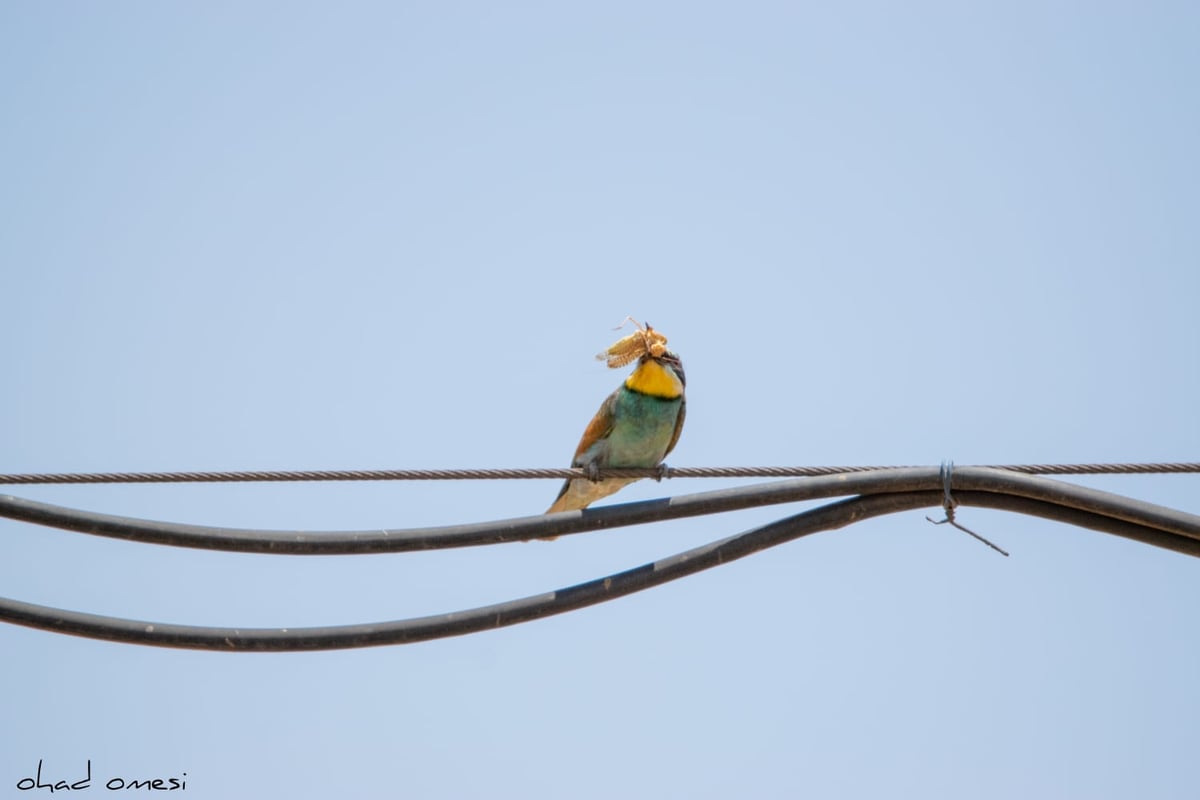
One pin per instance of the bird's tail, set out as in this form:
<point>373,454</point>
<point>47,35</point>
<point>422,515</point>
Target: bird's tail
<point>580,492</point>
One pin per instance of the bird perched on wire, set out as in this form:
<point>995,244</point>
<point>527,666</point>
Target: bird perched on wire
<point>636,426</point>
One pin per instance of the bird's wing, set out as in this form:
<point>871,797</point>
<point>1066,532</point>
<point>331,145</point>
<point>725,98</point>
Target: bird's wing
<point>599,428</point>
<point>678,426</point>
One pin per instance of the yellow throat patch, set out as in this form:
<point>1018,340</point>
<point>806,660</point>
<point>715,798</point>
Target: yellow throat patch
<point>654,379</point>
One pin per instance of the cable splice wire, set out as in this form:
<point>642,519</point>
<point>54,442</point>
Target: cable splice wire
<point>888,491</point>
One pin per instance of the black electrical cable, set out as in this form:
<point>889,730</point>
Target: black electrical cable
<point>882,492</point>
<point>1178,524</point>
<point>831,516</point>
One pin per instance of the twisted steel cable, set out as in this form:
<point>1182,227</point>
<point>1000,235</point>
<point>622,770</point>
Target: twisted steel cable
<point>269,476</point>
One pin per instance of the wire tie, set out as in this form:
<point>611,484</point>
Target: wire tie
<point>949,504</point>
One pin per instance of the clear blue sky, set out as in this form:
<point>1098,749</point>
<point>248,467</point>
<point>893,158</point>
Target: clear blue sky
<point>238,236</point>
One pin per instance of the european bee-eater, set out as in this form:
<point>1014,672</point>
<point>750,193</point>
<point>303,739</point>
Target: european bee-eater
<point>637,426</point>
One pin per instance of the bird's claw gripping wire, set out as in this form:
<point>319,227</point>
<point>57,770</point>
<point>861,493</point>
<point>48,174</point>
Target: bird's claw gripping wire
<point>663,472</point>
<point>949,504</point>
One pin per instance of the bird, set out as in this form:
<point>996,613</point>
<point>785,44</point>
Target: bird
<point>637,425</point>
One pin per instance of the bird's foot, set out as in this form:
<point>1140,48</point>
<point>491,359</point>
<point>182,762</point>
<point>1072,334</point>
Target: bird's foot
<point>663,472</point>
<point>593,471</point>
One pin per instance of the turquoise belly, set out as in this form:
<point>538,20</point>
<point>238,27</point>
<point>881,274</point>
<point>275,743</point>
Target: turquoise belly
<point>643,428</point>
